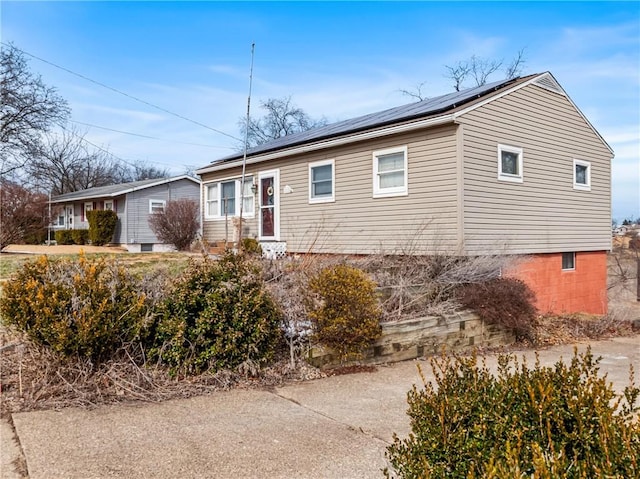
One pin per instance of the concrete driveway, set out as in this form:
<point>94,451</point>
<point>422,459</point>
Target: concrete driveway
<point>337,427</point>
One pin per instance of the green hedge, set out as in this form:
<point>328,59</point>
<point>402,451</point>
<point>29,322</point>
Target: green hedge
<point>102,226</point>
<point>72,236</point>
<point>64,237</point>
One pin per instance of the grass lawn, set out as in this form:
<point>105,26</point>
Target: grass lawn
<point>136,263</point>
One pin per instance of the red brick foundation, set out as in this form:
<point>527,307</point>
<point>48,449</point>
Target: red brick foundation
<point>582,290</point>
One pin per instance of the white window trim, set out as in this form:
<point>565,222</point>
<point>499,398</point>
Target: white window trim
<point>323,199</point>
<point>574,261</point>
<point>108,202</point>
<point>86,204</point>
<point>393,191</point>
<point>582,186</point>
<point>519,178</point>
<point>151,203</point>
<point>248,179</point>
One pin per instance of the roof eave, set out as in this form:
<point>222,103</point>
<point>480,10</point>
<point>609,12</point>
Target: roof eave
<point>344,139</point>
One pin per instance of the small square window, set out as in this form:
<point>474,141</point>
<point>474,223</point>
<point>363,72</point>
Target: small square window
<point>156,206</point>
<point>581,175</point>
<point>510,163</point>
<point>321,180</point>
<point>568,261</point>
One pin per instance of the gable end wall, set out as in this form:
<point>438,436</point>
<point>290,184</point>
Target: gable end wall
<point>544,214</point>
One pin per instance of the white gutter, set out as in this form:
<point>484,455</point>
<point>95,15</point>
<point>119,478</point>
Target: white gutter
<point>391,130</point>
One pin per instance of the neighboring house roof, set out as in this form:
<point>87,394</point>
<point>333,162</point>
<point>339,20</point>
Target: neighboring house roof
<point>433,111</point>
<point>112,191</point>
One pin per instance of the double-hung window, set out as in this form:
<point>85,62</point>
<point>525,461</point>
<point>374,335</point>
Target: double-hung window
<point>321,182</point>
<point>390,172</point>
<point>510,163</point>
<point>581,175</point>
<point>222,199</point>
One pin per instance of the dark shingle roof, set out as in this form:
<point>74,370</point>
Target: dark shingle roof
<point>414,110</point>
<point>116,190</point>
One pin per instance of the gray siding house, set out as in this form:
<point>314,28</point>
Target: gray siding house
<point>133,203</point>
<point>511,167</point>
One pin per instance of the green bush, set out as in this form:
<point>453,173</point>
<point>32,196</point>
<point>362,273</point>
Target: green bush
<point>546,422</point>
<point>87,308</point>
<point>80,236</point>
<point>64,237</point>
<point>251,246</point>
<point>344,310</point>
<point>102,226</point>
<point>217,315</point>
<point>507,302</point>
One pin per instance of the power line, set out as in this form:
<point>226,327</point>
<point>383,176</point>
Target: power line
<point>149,137</point>
<point>126,162</point>
<point>121,92</point>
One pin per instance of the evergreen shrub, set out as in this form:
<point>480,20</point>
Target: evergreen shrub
<point>87,308</point>
<point>217,315</point>
<point>64,237</point>
<point>102,226</point>
<point>344,310</point>
<point>560,422</point>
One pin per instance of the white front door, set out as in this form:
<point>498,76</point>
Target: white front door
<point>69,217</point>
<point>269,204</point>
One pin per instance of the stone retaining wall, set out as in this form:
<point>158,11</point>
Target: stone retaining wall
<point>414,338</point>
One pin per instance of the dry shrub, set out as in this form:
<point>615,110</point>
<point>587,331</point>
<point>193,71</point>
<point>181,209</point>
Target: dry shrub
<point>507,302</point>
<point>569,328</point>
<point>178,224</point>
<point>414,286</point>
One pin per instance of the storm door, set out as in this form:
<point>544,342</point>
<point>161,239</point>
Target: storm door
<point>269,205</point>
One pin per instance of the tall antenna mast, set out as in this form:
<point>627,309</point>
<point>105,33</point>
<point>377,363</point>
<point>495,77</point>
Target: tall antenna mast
<point>244,156</point>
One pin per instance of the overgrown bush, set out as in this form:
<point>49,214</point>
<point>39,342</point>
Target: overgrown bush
<point>507,302</point>
<point>546,422</point>
<point>64,237</point>
<point>344,310</point>
<point>102,226</point>
<point>415,286</point>
<point>80,236</point>
<point>87,308</point>
<point>178,223</point>
<point>217,315</point>
<point>251,246</point>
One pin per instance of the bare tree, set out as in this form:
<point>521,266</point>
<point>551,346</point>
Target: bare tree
<point>27,109</point>
<point>139,170</point>
<point>282,118</point>
<point>417,93</point>
<point>458,73</point>
<point>178,224</point>
<point>480,69</point>
<point>63,163</point>
<point>23,214</point>
<point>516,66</point>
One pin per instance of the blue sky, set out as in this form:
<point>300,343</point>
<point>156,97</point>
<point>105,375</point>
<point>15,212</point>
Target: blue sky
<point>336,59</point>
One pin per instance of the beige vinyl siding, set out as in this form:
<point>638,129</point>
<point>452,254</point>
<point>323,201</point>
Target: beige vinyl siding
<point>221,229</point>
<point>357,223</point>
<point>544,213</point>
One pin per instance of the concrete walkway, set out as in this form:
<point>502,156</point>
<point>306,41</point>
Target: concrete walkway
<point>338,427</point>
